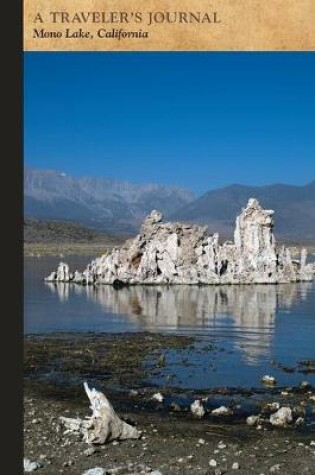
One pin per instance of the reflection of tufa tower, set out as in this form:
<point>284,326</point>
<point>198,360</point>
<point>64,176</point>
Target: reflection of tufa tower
<point>248,309</point>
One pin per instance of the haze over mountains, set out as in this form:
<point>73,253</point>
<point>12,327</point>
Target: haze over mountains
<point>115,206</point>
<point>119,206</point>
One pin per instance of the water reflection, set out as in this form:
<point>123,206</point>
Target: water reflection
<point>62,290</point>
<point>248,312</point>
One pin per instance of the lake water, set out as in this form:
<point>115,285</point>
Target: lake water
<point>257,329</point>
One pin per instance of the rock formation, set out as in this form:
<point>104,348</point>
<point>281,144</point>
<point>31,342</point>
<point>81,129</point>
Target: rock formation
<point>62,275</point>
<point>177,253</point>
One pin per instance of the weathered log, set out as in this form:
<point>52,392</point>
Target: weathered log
<point>103,425</point>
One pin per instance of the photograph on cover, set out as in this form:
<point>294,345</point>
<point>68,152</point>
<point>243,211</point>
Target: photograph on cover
<point>169,263</point>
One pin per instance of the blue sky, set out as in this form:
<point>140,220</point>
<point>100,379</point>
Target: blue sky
<point>200,120</point>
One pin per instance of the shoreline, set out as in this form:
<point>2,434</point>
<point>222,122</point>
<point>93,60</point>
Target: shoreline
<point>173,441</point>
<point>66,249</point>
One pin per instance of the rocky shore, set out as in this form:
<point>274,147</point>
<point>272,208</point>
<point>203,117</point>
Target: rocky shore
<point>179,253</point>
<point>174,437</point>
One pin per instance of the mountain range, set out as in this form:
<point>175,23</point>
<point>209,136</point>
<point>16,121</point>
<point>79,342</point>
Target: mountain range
<point>119,206</point>
<point>294,208</point>
<point>112,205</point>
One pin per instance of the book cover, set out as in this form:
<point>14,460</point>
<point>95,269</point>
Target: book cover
<point>169,237</point>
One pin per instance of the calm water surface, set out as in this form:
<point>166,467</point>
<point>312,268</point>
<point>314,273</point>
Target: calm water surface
<point>255,329</point>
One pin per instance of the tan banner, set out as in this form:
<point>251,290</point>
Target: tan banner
<point>163,25</point>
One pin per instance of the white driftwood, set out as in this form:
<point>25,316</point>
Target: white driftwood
<point>104,425</point>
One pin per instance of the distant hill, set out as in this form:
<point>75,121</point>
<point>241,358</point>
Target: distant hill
<point>58,232</point>
<point>118,207</point>
<point>294,209</point>
<point>112,205</point>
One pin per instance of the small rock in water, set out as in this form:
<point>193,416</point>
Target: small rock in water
<point>267,379</point>
<point>213,463</point>
<point>197,409</point>
<point>221,411</point>
<point>252,420</point>
<point>299,421</point>
<point>282,417</point>
<point>161,360</point>
<point>201,441</point>
<point>274,406</point>
<point>175,407</point>
<point>235,466</point>
<point>30,466</point>
<point>158,397</point>
<point>95,471</point>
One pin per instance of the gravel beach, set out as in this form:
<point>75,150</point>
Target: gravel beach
<point>173,440</point>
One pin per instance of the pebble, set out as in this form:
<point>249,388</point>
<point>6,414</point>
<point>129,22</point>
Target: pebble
<point>235,466</point>
<point>282,417</point>
<point>221,411</point>
<point>30,466</point>
<point>197,409</point>
<point>252,420</point>
<point>221,445</point>
<point>95,471</point>
<point>275,468</point>
<point>201,441</point>
<point>299,421</point>
<point>133,393</point>
<point>273,406</point>
<point>213,463</point>
<point>267,379</point>
<point>89,451</point>
<point>158,397</point>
